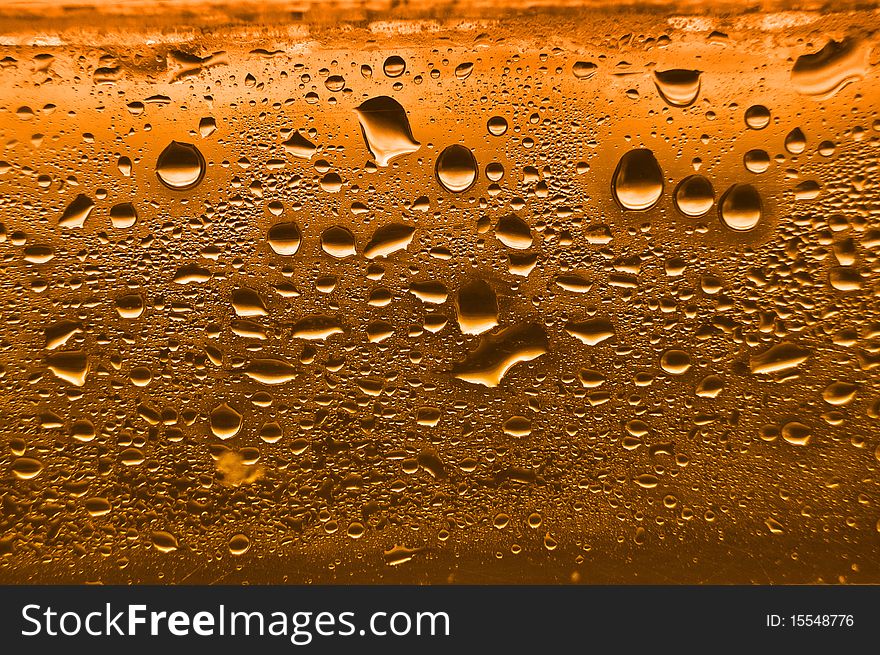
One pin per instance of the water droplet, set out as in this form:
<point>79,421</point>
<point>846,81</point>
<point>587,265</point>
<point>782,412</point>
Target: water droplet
<point>284,238</point>
<point>26,468</point>
<point>394,66</point>
<point>76,212</point>
<point>463,71</point>
<point>741,208</point>
<point>386,129</point>
<point>456,168</point>
<point>497,125</point>
<point>637,183</point>
<point>513,232</point>
<point>271,371</point>
<point>338,242</point>
<point>239,544</point>
<point>123,215</point>
<point>796,141</point>
<point>225,421</point>
<point>388,239</point>
<point>781,357</point>
<point>584,70</point>
<point>756,161</point>
<point>591,332</point>
<point>675,362</point>
<point>694,196</point>
<point>180,166</point>
<point>757,117</point>
<point>678,87</point>
<point>476,307</point>
<point>827,71</point>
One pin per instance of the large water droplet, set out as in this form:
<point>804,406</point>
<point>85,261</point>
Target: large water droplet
<point>284,238</point>
<point>386,129</point>
<point>694,196</point>
<point>638,180</point>
<point>477,307</point>
<point>180,166</point>
<point>456,168</point>
<point>741,208</point>
<point>678,87</point>
<point>825,72</point>
<point>225,421</point>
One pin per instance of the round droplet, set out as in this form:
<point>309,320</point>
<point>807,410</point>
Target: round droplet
<point>456,168</point>
<point>741,208</point>
<point>638,180</point>
<point>494,171</point>
<point>180,166</point>
<point>757,117</point>
<point>284,238</point>
<point>497,125</point>
<point>796,141</point>
<point>756,161</point>
<point>338,241</point>
<point>394,66</point>
<point>694,196</point>
<point>239,544</point>
<point>675,362</point>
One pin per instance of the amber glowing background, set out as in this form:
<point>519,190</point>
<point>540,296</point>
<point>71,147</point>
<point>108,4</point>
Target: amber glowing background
<point>256,327</point>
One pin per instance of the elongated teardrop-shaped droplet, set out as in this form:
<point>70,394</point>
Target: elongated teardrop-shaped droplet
<point>386,129</point>
<point>180,166</point>
<point>225,421</point>
<point>638,180</point>
<point>678,87</point>
<point>694,196</point>
<point>456,168</point>
<point>76,213</point>
<point>741,208</point>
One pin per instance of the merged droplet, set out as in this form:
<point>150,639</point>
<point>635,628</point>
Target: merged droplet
<point>477,307</point>
<point>456,168</point>
<point>679,87</point>
<point>386,129</point>
<point>694,196</point>
<point>637,183</point>
<point>741,208</point>
<point>825,72</point>
<point>180,166</point>
<point>498,353</point>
